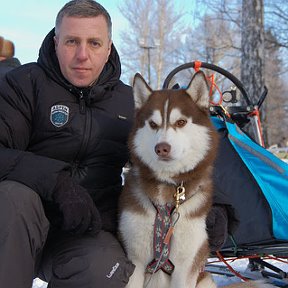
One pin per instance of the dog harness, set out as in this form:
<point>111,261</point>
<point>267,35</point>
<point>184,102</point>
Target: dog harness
<point>163,222</point>
<point>163,230</point>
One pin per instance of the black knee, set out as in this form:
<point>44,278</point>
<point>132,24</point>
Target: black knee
<point>23,232</point>
<point>22,211</point>
<point>89,262</point>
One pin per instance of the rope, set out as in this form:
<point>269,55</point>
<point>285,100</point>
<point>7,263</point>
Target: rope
<point>219,255</point>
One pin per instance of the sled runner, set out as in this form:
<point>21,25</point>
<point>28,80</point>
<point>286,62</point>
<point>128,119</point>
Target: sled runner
<point>250,183</point>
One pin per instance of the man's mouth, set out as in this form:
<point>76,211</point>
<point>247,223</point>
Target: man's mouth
<point>81,69</point>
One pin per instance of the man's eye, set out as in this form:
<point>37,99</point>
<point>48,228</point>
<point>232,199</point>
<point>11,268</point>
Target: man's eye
<point>95,43</point>
<point>71,42</point>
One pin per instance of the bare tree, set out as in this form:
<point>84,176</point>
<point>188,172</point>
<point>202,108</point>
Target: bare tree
<point>253,50</point>
<point>139,14</point>
<point>154,34</point>
<point>272,59</point>
<point>252,46</point>
<point>157,41</point>
<point>213,41</point>
<point>277,12</point>
<point>276,116</point>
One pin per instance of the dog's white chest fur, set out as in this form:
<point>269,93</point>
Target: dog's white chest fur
<point>137,230</point>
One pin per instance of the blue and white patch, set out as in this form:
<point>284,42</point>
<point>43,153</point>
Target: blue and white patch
<point>59,115</point>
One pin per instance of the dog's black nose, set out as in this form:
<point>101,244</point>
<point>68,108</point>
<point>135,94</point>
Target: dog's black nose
<point>163,149</point>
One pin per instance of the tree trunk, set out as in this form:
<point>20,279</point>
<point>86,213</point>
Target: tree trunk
<point>252,45</point>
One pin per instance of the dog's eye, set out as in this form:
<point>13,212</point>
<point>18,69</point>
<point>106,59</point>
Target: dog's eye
<point>180,123</point>
<point>153,125</point>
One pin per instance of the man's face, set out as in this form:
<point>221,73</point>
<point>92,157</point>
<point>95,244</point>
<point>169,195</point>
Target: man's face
<point>82,47</point>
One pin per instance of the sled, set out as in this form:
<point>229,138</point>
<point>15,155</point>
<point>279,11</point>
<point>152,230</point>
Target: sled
<point>250,183</point>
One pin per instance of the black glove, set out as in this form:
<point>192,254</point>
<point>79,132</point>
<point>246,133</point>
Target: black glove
<point>217,227</point>
<point>79,212</point>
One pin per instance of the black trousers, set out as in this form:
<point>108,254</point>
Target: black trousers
<point>29,250</point>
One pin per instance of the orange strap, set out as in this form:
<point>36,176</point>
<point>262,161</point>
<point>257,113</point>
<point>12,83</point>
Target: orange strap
<point>211,79</point>
<point>197,65</point>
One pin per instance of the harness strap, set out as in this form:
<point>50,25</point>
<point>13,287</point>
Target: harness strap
<point>163,222</point>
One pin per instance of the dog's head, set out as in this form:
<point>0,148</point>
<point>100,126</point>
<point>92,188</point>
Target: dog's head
<point>172,132</point>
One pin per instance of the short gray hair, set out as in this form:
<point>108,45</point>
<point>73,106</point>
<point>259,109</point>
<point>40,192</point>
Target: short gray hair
<point>83,9</point>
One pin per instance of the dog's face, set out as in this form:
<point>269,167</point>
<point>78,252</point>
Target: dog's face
<point>172,127</point>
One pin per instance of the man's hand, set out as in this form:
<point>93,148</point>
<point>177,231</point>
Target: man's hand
<point>79,212</point>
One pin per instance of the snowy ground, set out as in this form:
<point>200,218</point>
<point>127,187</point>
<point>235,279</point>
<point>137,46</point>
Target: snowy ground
<point>242,267</point>
<point>39,284</point>
<point>239,265</point>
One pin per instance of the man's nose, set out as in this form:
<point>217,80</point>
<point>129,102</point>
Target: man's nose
<point>82,51</point>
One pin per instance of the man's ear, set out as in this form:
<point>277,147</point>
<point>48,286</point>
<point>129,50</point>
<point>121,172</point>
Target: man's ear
<point>55,41</point>
<point>109,49</point>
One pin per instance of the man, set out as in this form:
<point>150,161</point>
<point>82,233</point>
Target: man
<point>64,123</point>
<point>7,59</point>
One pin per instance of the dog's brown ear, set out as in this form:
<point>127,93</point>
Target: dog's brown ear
<point>198,89</point>
<point>141,91</point>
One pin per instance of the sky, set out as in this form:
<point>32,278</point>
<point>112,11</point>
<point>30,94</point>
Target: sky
<point>26,22</point>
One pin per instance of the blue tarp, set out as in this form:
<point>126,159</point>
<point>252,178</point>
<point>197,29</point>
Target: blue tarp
<point>270,172</point>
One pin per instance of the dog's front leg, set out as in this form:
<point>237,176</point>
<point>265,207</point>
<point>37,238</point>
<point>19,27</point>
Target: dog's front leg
<point>137,278</point>
<point>181,278</point>
<point>205,281</point>
<point>194,280</point>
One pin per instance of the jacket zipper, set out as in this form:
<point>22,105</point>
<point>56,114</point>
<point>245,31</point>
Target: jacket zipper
<point>82,103</point>
<point>87,127</point>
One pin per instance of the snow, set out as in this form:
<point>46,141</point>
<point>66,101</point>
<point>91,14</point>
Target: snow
<point>242,266</point>
<point>239,265</point>
<point>39,283</point>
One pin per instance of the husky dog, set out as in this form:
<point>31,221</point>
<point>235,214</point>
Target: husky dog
<point>168,191</point>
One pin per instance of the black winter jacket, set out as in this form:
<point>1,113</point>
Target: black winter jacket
<point>47,125</point>
<point>7,65</point>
